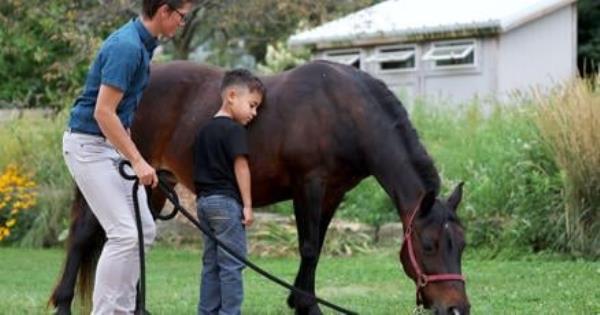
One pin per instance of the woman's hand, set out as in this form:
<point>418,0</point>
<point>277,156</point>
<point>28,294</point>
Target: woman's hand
<point>145,172</point>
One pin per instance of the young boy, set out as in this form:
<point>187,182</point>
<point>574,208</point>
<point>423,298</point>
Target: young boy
<point>222,180</point>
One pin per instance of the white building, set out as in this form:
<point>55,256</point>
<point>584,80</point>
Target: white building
<point>454,49</point>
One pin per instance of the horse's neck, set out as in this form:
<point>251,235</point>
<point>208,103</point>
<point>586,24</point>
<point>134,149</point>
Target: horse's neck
<point>399,178</point>
<point>403,186</point>
<point>400,163</point>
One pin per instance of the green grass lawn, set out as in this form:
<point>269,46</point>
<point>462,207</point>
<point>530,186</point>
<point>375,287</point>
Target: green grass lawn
<point>368,284</point>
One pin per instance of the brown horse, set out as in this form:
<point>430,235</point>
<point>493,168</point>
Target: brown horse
<point>323,128</point>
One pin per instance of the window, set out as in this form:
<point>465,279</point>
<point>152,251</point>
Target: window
<point>395,58</point>
<point>347,57</point>
<point>451,54</point>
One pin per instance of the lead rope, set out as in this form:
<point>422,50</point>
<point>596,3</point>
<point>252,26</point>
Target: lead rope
<point>141,298</point>
<point>172,196</point>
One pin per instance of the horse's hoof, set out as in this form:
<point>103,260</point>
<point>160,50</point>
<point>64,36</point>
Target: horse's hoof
<point>290,301</point>
<point>311,310</point>
<point>303,305</point>
<point>62,311</point>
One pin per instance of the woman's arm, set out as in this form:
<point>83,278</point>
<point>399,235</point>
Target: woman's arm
<point>105,114</point>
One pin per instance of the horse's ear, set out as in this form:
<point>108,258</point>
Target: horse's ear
<point>455,197</point>
<point>427,203</point>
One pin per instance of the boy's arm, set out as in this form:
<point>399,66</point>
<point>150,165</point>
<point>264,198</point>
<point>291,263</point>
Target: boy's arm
<point>242,175</point>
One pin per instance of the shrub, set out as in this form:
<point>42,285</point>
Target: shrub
<point>279,58</point>
<point>34,144</point>
<point>47,47</point>
<point>17,197</point>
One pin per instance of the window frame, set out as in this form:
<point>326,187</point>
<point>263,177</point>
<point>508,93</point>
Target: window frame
<point>471,46</point>
<point>328,54</point>
<point>379,57</point>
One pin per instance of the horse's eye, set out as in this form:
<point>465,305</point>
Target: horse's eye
<point>428,248</point>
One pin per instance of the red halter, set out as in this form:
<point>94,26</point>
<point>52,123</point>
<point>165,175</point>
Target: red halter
<point>424,279</point>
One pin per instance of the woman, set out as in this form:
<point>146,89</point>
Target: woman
<point>98,137</point>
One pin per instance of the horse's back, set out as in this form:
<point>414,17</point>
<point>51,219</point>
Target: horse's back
<point>304,125</point>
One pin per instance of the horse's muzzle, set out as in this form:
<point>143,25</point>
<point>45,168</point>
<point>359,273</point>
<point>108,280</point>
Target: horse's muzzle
<point>453,310</point>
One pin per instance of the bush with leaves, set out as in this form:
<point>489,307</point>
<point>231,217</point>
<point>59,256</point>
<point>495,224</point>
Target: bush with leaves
<point>280,58</point>
<point>17,197</point>
<point>588,28</point>
<point>34,144</point>
<point>47,47</point>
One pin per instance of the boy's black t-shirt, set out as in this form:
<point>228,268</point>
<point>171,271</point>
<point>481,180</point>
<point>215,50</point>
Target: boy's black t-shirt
<point>216,146</point>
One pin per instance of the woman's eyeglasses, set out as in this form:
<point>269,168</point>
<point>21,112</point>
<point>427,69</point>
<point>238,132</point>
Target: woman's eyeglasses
<point>184,17</point>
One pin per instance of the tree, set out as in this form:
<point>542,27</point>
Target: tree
<point>47,46</point>
<point>251,26</point>
<point>588,53</point>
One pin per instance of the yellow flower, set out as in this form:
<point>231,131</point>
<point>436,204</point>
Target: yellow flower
<point>17,193</point>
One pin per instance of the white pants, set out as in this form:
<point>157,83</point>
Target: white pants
<point>93,162</point>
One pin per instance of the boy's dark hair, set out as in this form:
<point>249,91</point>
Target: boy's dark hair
<point>242,77</point>
<point>149,7</point>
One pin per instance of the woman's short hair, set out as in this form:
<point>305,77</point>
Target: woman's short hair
<point>149,7</point>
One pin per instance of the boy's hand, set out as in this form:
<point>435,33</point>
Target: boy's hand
<point>248,217</point>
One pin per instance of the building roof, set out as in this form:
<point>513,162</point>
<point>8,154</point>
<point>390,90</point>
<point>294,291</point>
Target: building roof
<point>403,20</point>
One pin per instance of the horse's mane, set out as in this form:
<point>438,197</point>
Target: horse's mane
<point>419,157</point>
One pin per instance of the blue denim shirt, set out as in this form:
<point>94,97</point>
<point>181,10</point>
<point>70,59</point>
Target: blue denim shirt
<point>123,62</point>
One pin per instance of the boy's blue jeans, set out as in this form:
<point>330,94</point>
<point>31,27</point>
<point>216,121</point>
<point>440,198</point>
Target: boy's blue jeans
<point>221,287</point>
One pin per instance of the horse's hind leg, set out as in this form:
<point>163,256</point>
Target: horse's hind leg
<point>307,209</point>
<point>84,244</point>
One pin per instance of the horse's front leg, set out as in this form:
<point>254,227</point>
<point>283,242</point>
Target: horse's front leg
<point>307,209</point>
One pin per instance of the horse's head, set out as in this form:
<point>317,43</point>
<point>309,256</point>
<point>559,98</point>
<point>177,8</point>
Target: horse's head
<point>431,254</point>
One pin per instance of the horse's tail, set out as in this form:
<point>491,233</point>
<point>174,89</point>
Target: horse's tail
<point>85,279</point>
<point>83,246</point>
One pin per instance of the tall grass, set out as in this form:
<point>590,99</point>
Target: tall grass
<point>35,145</point>
<point>512,193</point>
<point>569,120</point>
